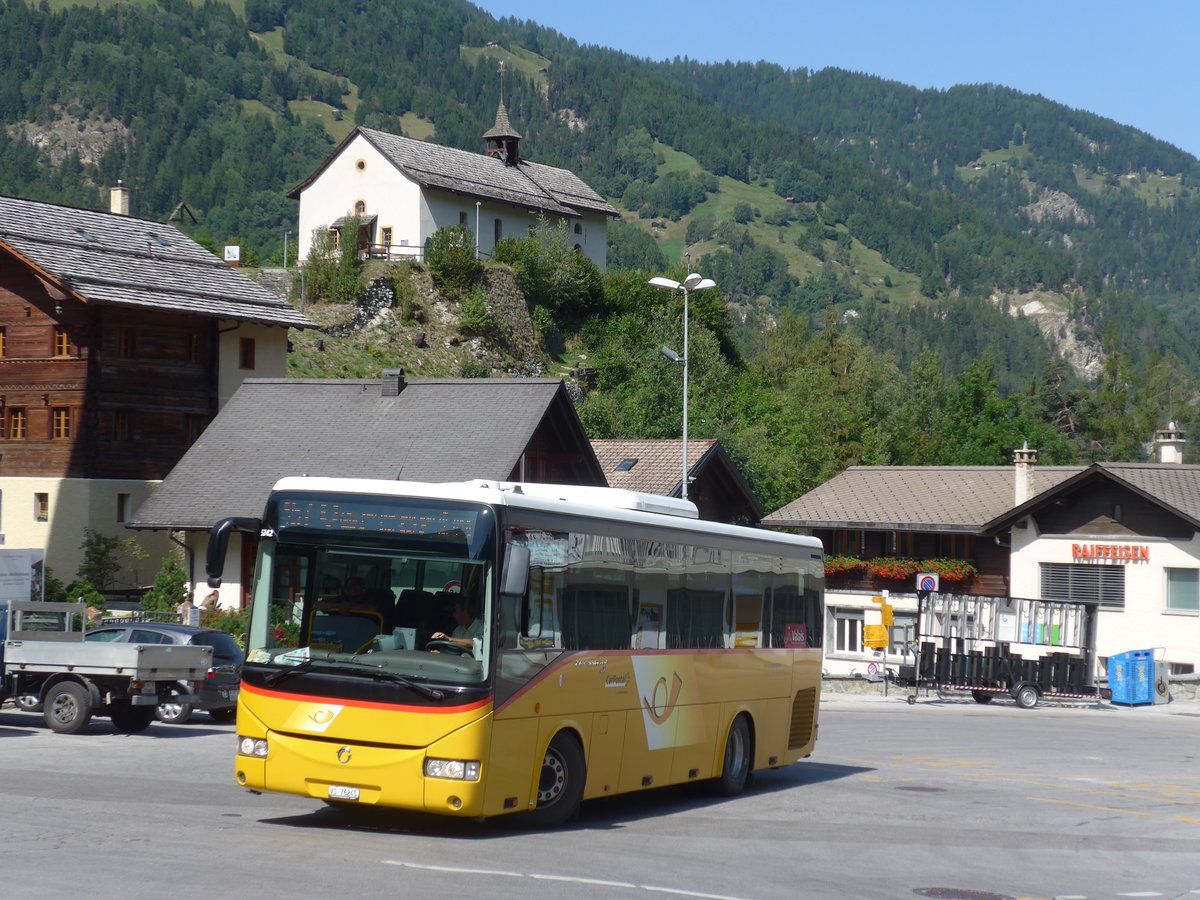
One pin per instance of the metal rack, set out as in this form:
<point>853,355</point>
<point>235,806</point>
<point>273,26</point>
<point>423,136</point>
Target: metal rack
<point>995,646</point>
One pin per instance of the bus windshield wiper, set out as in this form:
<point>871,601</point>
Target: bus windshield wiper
<point>355,666</point>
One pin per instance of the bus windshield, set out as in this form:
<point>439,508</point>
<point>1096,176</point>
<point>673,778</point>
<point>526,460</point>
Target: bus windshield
<point>374,587</point>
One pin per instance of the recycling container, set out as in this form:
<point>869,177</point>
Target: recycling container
<point>1131,677</point>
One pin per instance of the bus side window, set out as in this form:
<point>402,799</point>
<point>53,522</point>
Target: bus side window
<point>595,617</point>
<point>794,605</point>
<point>695,619</point>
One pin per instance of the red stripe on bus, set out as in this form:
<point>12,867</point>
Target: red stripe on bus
<point>363,704</point>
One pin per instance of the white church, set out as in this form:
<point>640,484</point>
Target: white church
<point>403,190</point>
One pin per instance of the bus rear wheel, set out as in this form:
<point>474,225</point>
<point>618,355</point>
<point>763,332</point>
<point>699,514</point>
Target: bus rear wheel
<point>735,770</point>
<point>560,784</point>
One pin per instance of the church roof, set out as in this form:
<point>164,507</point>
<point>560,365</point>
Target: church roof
<point>502,128</point>
<point>547,189</point>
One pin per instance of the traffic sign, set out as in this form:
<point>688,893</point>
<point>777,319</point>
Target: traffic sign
<point>875,636</point>
<point>927,583</point>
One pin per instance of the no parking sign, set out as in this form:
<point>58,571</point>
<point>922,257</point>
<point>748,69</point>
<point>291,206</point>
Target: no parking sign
<point>927,583</point>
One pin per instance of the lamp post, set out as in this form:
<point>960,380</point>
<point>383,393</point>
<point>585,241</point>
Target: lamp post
<point>694,282</point>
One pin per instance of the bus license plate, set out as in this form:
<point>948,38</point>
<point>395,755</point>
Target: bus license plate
<point>342,792</point>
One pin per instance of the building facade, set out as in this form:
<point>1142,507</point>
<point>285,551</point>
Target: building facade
<point>1123,536</point>
<point>120,338</point>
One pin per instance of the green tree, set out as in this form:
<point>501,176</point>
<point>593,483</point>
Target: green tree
<point>629,247</point>
<point>333,273</point>
<point>81,591</point>
<point>105,558</point>
<point>451,258</point>
<point>170,588</point>
<point>552,273</point>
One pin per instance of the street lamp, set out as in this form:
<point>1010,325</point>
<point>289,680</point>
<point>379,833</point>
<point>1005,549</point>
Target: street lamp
<point>694,282</point>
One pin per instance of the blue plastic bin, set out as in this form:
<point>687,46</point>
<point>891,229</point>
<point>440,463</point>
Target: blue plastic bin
<point>1131,677</point>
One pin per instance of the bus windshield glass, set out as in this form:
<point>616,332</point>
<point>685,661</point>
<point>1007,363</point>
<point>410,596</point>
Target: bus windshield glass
<point>374,587</point>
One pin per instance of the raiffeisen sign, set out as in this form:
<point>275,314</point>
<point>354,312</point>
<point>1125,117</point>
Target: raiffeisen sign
<point>1118,552</point>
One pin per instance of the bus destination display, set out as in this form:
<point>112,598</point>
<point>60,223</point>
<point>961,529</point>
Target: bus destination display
<point>347,514</point>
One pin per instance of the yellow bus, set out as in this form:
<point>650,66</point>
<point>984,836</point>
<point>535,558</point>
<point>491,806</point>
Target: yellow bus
<point>485,648</point>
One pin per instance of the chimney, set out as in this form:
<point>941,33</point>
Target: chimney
<point>1023,462</point>
<point>118,199</point>
<point>1168,445</point>
<point>393,382</point>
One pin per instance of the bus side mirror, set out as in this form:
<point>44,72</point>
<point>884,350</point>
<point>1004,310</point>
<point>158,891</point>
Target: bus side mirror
<point>218,544</point>
<point>515,577</point>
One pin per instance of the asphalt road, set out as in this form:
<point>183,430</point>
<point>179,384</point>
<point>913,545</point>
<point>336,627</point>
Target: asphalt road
<point>942,799</point>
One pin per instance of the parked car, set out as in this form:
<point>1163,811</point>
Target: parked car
<point>217,694</point>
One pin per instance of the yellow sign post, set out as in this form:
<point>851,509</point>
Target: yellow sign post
<point>880,636</point>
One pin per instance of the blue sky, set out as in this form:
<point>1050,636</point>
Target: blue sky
<point>1135,63</point>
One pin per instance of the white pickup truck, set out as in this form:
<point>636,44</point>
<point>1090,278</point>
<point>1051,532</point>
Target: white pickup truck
<point>43,655</point>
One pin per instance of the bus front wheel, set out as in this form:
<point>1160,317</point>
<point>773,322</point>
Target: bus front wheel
<point>560,783</point>
<point>735,770</point>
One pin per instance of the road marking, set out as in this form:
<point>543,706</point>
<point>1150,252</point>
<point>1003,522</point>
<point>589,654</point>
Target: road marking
<point>595,882</point>
<point>453,869</point>
<point>577,880</point>
<point>1131,812</point>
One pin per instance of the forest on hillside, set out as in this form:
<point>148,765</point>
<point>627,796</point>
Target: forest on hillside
<point>860,250</point>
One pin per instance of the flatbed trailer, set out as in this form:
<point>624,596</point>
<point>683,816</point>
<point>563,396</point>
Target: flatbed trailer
<point>44,656</point>
<point>1003,646</point>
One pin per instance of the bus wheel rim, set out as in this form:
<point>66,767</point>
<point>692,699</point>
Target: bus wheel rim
<point>553,780</point>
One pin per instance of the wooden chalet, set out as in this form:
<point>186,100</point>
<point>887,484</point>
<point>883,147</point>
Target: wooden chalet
<point>119,338</point>
<point>715,485</point>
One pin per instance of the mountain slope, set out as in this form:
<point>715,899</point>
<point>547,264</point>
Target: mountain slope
<point>898,197</point>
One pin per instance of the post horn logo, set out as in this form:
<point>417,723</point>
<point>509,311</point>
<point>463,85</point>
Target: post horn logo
<point>663,704</point>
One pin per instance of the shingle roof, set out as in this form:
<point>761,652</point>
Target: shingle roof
<point>434,430</point>
<point>503,127</point>
<point>1172,486</point>
<point>658,464</point>
<point>528,184</point>
<point>970,498</point>
<point>108,258</point>
<point>943,498</point>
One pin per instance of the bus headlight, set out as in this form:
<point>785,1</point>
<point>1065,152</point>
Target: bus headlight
<point>455,769</point>
<point>248,746</point>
